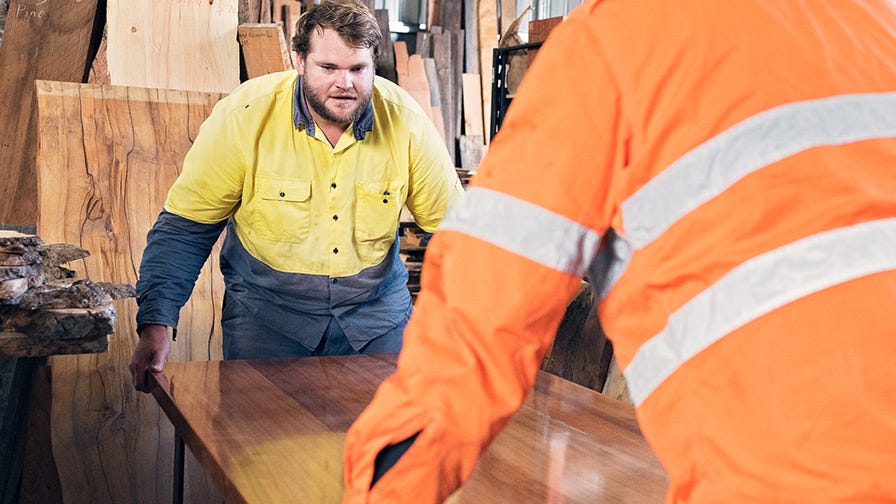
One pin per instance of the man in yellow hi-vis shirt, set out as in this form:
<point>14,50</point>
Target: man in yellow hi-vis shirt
<point>308,171</point>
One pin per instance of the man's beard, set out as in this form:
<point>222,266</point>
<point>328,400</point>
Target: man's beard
<point>318,104</point>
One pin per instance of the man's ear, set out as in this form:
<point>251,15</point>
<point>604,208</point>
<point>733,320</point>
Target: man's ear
<point>300,62</point>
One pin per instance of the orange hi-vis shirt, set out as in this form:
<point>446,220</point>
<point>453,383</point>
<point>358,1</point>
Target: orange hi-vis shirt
<point>724,174</point>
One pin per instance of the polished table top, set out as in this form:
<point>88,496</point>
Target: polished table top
<point>272,431</point>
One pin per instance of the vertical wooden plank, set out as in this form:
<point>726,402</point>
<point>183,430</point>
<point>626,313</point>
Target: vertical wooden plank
<point>450,18</point>
<point>174,45</point>
<point>401,60</point>
<point>471,151</point>
<point>457,55</point>
<point>412,76</point>
<point>441,51</point>
<point>287,12</point>
<point>42,40</point>
<point>471,39</point>
<point>433,13</point>
<point>435,96</point>
<point>417,85</point>
<point>472,93</point>
<point>488,42</point>
<point>386,63</point>
<point>246,12</point>
<point>107,157</point>
<point>422,45</point>
<point>264,48</point>
<point>254,11</point>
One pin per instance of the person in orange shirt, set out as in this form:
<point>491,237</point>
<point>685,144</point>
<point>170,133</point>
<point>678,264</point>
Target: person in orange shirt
<point>723,175</point>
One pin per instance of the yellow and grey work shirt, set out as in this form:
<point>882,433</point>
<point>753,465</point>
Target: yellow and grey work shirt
<point>313,227</point>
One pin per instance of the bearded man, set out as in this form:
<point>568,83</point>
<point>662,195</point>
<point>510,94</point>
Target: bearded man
<point>308,170</point>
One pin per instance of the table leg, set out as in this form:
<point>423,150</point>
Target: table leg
<point>177,496</point>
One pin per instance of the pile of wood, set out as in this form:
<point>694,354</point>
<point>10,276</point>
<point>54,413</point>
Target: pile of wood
<point>44,309</point>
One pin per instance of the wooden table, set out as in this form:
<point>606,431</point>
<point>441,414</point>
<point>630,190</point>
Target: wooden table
<point>269,431</point>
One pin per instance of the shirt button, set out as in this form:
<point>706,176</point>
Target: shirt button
<point>335,217</point>
<point>282,194</point>
<point>385,200</point>
<point>333,185</point>
<point>335,250</point>
<point>334,280</point>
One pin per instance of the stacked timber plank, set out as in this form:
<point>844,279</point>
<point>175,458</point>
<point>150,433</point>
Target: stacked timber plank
<point>44,310</point>
<point>445,70</point>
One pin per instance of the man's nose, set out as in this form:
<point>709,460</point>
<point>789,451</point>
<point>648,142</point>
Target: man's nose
<point>343,79</point>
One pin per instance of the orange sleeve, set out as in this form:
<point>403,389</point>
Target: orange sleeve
<point>486,316</point>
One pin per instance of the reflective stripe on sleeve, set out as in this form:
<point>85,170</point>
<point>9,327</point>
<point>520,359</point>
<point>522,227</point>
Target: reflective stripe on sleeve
<point>757,287</point>
<point>712,167</point>
<point>524,229</point>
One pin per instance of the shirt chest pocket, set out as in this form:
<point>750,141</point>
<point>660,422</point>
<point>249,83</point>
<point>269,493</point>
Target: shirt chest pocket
<point>377,210</point>
<point>282,209</point>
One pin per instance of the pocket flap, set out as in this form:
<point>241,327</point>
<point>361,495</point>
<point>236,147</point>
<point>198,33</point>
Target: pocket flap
<point>379,188</point>
<point>284,189</point>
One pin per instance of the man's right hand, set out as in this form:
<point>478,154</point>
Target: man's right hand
<point>150,355</point>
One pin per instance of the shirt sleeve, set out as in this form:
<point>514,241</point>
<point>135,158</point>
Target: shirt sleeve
<point>176,249</point>
<point>210,186</point>
<point>433,182</point>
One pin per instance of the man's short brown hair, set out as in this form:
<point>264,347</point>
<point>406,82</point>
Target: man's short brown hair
<point>351,19</point>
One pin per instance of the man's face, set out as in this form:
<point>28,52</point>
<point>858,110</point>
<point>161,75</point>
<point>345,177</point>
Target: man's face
<point>337,79</point>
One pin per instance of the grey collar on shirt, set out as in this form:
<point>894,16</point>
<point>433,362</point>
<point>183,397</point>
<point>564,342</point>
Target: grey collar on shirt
<point>301,116</point>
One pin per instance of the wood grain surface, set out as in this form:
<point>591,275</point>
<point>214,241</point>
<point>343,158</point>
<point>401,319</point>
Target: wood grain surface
<point>173,44</point>
<point>43,39</point>
<point>271,431</point>
<point>264,47</point>
<point>107,157</point>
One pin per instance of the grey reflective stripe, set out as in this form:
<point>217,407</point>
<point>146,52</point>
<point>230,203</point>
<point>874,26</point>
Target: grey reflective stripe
<point>524,229</point>
<point>770,136</point>
<point>748,146</point>
<point>757,287</point>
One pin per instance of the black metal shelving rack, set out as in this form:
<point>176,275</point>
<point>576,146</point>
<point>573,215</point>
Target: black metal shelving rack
<point>500,100</point>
